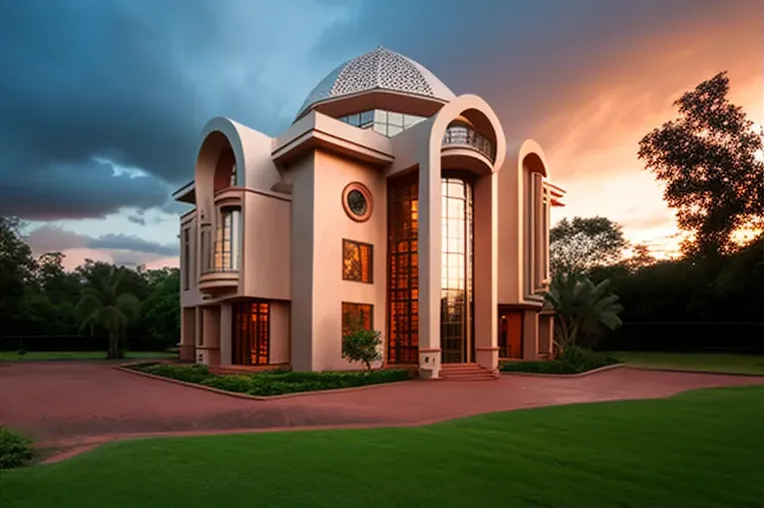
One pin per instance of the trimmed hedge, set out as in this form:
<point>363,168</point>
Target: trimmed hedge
<point>15,450</point>
<point>572,360</point>
<point>275,382</point>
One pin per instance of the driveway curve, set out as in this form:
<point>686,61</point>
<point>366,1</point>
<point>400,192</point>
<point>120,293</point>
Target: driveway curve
<point>70,403</point>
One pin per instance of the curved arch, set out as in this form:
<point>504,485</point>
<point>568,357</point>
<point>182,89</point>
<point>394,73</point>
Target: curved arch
<point>529,154</point>
<point>220,146</point>
<point>478,113</point>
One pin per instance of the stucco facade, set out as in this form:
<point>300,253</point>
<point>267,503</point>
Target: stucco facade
<point>389,202</point>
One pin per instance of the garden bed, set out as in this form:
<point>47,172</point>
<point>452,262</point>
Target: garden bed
<point>271,383</point>
<point>570,361</point>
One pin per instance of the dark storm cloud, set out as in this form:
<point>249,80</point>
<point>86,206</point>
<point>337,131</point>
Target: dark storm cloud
<point>76,191</point>
<point>526,58</point>
<point>128,81</point>
<point>132,82</point>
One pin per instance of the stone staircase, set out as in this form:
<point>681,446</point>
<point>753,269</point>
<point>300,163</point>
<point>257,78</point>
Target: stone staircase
<point>466,372</point>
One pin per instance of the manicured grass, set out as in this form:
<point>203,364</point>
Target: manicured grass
<point>699,449</point>
<point>710,362</point>
<point>274,382</point>
<point>37,356</point>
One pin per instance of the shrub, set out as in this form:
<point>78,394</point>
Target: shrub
<point>571,360</point>
<point>190,373</point>
<point>15,450</point>
<point>280,382</point>
<point>362,346</point>
<point>22,352</point>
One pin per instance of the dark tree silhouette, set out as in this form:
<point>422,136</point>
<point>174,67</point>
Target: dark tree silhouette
<point>710,160</point>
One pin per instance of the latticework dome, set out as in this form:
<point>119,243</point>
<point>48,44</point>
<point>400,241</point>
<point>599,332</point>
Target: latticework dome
<point>380,69</point>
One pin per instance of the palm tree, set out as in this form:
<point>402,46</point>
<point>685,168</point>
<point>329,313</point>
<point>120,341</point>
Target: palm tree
<point>581,308</point>
<point>103,306</point>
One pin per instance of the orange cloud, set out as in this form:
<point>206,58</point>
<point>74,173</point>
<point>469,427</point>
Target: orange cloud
<point>592,140</point>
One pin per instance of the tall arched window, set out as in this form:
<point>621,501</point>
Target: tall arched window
<point>536,228</point>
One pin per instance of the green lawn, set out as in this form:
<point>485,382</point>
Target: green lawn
<point>699,449</point>
<point>36,356</point>
<point>711,362</point>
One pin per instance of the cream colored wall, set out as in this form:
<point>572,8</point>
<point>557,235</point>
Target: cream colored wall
<point>332,225</point>
<point>509,233</point>
<point>225,333</point>
<point>265,267</point>
<point>261,172</point>
<point>302,175</point>
<point>279,333</point>
<point>191,297</point>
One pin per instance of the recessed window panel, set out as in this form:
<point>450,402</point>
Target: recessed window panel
<point>357,316</point>
<point>357,261</point>
<point>395,119</point>
<point>403,271</point>
<point>251,333</point>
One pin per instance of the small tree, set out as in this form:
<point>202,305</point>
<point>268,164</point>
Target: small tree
<point>581,309</point>
<point>583,243</point>
<point>362,345</point>
<point>104,306</point>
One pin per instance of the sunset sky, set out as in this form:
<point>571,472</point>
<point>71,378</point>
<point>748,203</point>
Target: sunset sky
<point>102,101</point>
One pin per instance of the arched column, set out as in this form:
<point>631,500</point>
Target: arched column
<point>486,193</point>
<point>429,239</point>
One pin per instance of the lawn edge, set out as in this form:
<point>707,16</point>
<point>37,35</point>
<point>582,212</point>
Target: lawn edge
<point>565,376</point>
<point>125,368</point>
<point>690,371</point>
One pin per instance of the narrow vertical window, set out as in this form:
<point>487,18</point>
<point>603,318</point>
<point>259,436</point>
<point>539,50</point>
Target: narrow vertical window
<point>226,241</point>
<point>186,259</point>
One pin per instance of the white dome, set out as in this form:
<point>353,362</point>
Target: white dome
<point>380,69</point>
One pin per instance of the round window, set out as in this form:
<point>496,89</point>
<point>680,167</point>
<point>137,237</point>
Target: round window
<point>356,199</point>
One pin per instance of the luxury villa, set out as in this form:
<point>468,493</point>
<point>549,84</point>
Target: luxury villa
<point>389,202</point>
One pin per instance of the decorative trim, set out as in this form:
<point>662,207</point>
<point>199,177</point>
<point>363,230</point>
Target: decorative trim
<point>430,350</point>
<point>357,186</point>
<point>488,348</point>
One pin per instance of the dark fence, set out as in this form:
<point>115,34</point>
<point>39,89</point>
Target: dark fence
<point>686,337</point>
<point>77,343</point>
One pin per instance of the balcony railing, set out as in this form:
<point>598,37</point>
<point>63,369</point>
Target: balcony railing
<point>460,135</point>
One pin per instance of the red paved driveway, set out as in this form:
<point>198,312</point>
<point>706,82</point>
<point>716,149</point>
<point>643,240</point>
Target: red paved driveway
<point>75,402</point>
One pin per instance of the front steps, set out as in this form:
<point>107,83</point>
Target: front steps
<point>466,372</point>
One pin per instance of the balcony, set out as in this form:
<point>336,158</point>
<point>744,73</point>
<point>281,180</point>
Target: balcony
<point>219,280</point>
<point>220,264</point>
<point>463,136</point>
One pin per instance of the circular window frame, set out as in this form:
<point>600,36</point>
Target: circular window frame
<point>357,186</point>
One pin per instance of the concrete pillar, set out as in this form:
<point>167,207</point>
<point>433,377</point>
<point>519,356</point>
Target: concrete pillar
<point>210,348</point>
<point>226,335</point>
<point>187,334</point>
<point>530,334</point>
<point>485,258</point>
<point>546,334</point>
<point>429,267</point>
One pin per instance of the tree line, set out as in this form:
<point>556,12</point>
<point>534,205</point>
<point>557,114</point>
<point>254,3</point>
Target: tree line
<point>710,160</point>
<point>43,306</point>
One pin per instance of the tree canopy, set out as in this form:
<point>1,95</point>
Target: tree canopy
<point>580,244</point>
<point>709,158</point>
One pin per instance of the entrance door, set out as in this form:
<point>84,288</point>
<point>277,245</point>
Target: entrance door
<point>251,333</point>
<point>510,333</point>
